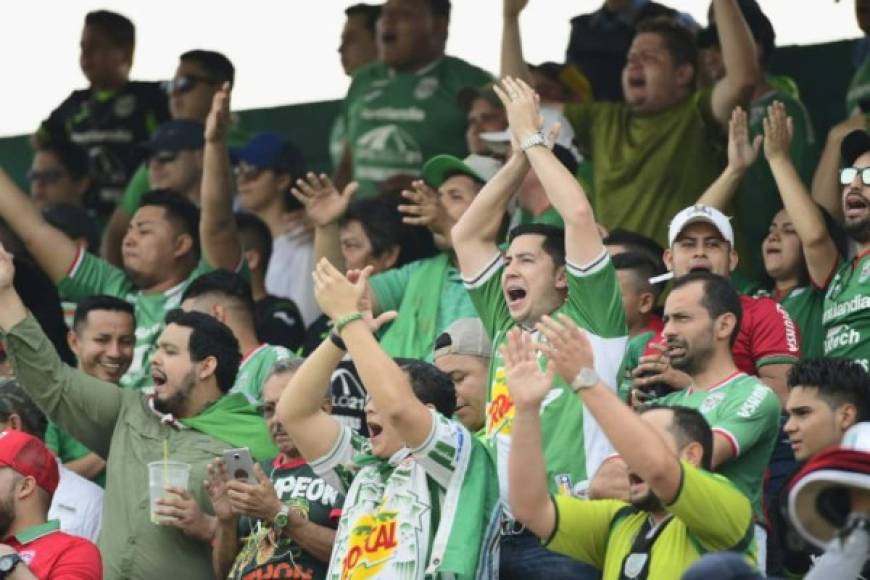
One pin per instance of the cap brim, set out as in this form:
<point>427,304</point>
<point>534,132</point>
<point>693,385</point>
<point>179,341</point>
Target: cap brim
<point>803,502</point>
<point>439,168</point>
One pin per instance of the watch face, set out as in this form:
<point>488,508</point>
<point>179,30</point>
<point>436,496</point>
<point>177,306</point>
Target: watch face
<point>8,562</point>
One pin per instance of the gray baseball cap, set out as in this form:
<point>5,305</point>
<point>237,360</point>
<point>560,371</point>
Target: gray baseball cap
<point>465,336</point>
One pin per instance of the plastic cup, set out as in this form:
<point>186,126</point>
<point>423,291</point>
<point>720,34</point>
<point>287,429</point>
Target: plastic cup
<point>162,474</point>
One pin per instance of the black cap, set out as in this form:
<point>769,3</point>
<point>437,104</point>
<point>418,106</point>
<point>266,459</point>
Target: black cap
<point>854,145</point>
<point>176,135</point>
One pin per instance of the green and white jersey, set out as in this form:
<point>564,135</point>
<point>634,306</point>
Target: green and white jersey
<point>395,121</point>
<point>91,275</point>
<point>746,412</point>
<point>254,369</point>
<point>391,522</point>
<point>846,318</point>
<point>574,444</point>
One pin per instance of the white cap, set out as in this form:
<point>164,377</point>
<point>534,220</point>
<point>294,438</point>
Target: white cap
<point>551,117</point>
<point>700,213</point>
<point>483,165</point>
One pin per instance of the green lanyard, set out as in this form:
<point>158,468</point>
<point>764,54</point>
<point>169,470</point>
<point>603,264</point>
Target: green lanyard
<point>636,564</point>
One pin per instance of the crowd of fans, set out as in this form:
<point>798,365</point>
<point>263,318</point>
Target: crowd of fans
<point>514,334</point>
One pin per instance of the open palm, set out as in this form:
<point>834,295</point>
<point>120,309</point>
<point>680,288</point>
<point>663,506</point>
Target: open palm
<point>527,383</point>
<point>323,203</point>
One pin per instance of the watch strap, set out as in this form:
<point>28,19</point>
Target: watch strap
<point>533,140</point>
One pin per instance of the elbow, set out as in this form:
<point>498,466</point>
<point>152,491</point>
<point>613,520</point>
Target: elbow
<point>459,233</point>
<point>580,216</point>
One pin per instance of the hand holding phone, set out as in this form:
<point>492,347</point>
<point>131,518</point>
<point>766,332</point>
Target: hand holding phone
<point>240,465</point>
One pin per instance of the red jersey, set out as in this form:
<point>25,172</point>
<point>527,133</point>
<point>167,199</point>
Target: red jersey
<point>50,553</point>
<point>766,336</point>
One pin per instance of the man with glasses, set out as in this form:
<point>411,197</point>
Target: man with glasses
<point>59,175</point>
<point>199,75</point>
<point>266,169</point>
<point>113,114</point>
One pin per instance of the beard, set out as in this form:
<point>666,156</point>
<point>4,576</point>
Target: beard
<point>695,356</point>
<point>858,230</point>
<point>175,403</point>
<point>650,502</point>
<point>7,514</point>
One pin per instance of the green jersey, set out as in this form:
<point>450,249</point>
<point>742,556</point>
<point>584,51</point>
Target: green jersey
<point>757,200</point>
<point>91,275</point>
<point>425,512</point>
<point>267,555</point>
<point>574,445</point>
<point>254,369</point>
<point>68,448</point>
<point>395,121</point>
<point>746,412</point>
<point>846,317</point>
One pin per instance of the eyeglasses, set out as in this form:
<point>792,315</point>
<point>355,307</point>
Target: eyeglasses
<point>245,172</point>
<point>848,174</point>
<point>164,157</point>
<point>185,83</point>
<point>46,177</point>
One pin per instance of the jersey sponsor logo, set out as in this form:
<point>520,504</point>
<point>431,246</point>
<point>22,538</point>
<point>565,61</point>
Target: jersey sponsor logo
<point>711,402</point>
<point>388,145</point>
<point>841,336</point>
<point>312,489</point>
<point>395,115</point>
<point>27,556</point>
<point>851,306</point>
<point>752,402</point>
<point>865,272</point>
<point>790,332</point>
<point>425,88</point>
<point>373,540</point>
<point>500,411</point>
<point>125,105</point>
<point>280,570</point>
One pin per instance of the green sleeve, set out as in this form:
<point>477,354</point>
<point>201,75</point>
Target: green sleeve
<point>91,275</point>
<point>595,298</point>
<point>52,439</point>
<point>389,287</point>
<point>803,144</point>
<point>633,352</point>
<point>750,419</point>
<point>487,297</point>
<point>138,186</point>
<point>580,116</point>
<point>583,528</point>
<point>714,511</point>
<point>85,407</point>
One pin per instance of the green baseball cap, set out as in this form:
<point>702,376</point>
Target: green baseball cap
<point>478,167</point>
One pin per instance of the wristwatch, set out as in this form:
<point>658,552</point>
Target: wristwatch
<point>282,518</point>
<point>533,140</point>
<point>8,564</point>
<point>585,379</point>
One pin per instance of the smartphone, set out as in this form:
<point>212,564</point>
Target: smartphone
<point>240,465</point>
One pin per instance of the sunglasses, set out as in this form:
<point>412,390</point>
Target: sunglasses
<point>164,157</point>
<point>245,172</point>
<point>185,83</point>
<point>848,174</point>
<point>47,177</point>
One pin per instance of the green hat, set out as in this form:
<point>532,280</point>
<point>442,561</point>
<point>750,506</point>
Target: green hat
<point>477,167</point>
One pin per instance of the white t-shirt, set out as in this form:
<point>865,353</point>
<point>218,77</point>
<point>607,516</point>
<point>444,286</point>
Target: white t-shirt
<point>78,504</point>
<point>289,272</point>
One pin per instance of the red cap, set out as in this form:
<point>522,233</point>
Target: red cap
<point>29,456</point>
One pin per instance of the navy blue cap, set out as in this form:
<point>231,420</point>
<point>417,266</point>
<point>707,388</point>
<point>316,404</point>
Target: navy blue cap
<point>271,151</point>
<point>176,135</point>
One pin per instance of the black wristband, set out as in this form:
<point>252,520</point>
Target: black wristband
<point>337,340</point>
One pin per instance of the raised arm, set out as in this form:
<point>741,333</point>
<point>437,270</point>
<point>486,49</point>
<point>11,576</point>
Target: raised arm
<point>53,251</point>
<point>84,406</point>
<point>300,407</point>
<point>742,70</point>
<point>527,472</point>
<point>475,235</point>
<point>513,62</point>
<point>640,446</point>
<point>741,155</point>
<point>582,238</point>
<point>217,226</point>
<point>826,184</point>
<point>820,252</point>
<point>387,384</point>
<point>324,205</point>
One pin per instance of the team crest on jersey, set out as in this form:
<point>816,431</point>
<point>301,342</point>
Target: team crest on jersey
<point>125,105</point>
<point>711,402</point>
<point>865,272</point>
<point>373,539</point>
<point>425,88</point>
